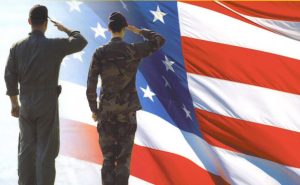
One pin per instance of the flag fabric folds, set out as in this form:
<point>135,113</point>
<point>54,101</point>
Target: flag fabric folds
<point>220,100</point>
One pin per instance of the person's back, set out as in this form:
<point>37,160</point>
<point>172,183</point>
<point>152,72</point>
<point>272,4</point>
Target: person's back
<point>34,63</point>
<point>117,63</point>
<point>39,59</point>
<point>38,64</point>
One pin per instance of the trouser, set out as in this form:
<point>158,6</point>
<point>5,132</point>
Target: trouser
<point>38,139</point>
<point>116,141</point>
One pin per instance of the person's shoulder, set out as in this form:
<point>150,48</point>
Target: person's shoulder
<point>100,50</point>
<point>19,42</point>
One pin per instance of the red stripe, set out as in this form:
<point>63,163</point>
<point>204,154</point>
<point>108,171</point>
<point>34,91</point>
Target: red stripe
<point>220,9</point>
<point>271,143</point>
<point>80,141</point>
<point>163,168</point>
<point>241,65</point>
<point>288,11</point>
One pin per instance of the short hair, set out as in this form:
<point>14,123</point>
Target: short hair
<point>38,14</point>
<point>117,22</point>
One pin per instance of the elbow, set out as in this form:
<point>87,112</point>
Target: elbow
<point>162,41</point>
<point>79,44</point>
<point>83,44</point>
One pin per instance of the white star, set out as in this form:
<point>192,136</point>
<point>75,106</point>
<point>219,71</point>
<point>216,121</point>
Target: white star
<point>168,63</point>
<point>74,5</point>
<point>99,30</point>
<point>78,56</point>
<point>167,84</point>
<point>148,93</point>
<point>158,15</point>
<point>187,112</point>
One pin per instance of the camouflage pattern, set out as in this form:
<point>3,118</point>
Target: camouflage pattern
<point>34,63</point>
<point>117,63</point>
<point>116,141</point>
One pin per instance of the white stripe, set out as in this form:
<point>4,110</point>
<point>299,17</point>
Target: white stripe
<point>68,169</point>
<point>205,24</point>
<point>74,104</point>
<point>236,168</point>
<point>288,28</point>
<point>156,133</point>
<point>75,107</point>
<point>246,102</point>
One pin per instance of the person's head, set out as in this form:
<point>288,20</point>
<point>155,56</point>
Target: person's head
<point>117,24</point>
<point>38,18</point>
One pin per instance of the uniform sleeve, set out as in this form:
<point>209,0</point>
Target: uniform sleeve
<point>73,44</point>
<point>92,82</point>
<point>11,74</point>
<point>153,41</point>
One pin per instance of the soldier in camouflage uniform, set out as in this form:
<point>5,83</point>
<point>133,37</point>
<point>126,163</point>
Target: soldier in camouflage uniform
<point>34,63</point>
<point>117,63</point>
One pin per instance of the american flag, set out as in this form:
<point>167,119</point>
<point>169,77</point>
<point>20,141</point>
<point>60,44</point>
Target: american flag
<point>220,100</point>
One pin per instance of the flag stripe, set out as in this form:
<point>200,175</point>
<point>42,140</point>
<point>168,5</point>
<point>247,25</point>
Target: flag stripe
<point>286,28</point>
<point>237,33</point>
<point>85,136</point>
<point>153,165</point>
<point>288,11</point>
<point>246,102</point>
<point>233,134</point>
<point>231,166</point>
<point>219,7</point>
<point>213,159</point>
<point>246,169</point>
<point>241,65</point>
<point>150,124</point>
<point>269,10</point>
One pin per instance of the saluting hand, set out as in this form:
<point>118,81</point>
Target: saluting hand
<point>133,29</point>
<point>60,27</point>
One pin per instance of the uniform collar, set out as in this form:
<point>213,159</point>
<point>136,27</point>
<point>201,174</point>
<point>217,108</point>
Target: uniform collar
<point>37,33</point>
<point>116,39</point>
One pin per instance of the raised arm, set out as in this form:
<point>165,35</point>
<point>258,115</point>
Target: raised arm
<point>153,42</point>
<point>74,43</point>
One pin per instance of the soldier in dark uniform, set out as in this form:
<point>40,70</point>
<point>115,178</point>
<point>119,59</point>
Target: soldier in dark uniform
<point>34,63</point>
<point>117,63</point>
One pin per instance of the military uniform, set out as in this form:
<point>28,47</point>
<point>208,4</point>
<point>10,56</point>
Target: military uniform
<point>117,64</point>
<point>34,63</point>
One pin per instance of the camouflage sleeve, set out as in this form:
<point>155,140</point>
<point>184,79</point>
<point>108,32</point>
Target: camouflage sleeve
<point>74,43</point>
<point>153,41</point>
<point>92,82</point>
<point>11,74</point>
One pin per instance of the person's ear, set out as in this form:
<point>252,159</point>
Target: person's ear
<point>29,21</point>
